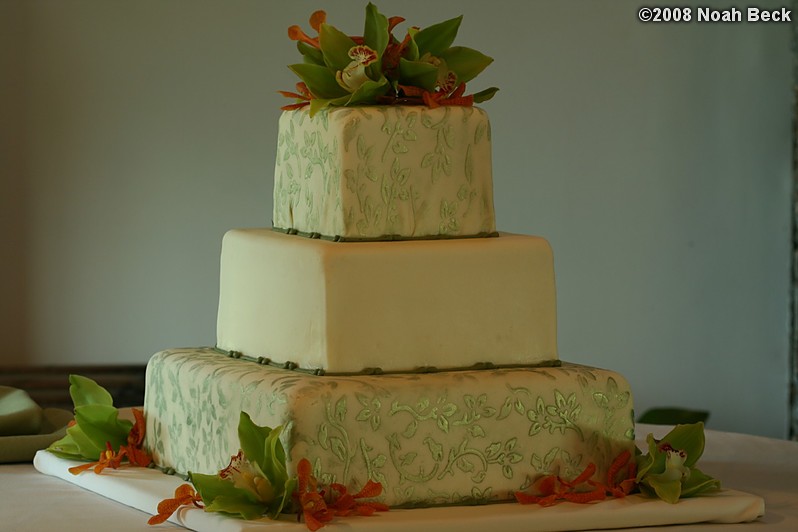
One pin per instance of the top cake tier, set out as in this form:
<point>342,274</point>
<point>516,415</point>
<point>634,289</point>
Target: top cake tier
<point>385,173</point>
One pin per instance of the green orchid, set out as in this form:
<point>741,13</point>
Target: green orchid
<point>256,482</point>
<point>97,426</point>
<point>377,68</point>
<point>668,470</point>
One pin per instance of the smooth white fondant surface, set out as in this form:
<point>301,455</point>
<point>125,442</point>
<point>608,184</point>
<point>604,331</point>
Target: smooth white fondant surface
<point>344,306</point>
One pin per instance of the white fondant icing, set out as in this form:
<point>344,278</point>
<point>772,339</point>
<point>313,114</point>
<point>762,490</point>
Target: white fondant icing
<point>393,305</point>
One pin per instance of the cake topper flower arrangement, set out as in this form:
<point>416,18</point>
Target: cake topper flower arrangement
<point>377,68</point>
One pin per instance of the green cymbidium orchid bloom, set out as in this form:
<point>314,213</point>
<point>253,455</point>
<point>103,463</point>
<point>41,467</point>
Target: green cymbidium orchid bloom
<point>668,470</point>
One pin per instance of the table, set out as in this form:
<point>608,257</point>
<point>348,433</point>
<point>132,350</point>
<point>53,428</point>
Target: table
<point>761,466</point>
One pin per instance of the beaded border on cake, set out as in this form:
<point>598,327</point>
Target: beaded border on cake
<point>381,238</point>
<point>293,366</point>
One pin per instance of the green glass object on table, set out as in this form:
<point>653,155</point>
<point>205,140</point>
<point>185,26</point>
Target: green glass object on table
<point>25,427</point>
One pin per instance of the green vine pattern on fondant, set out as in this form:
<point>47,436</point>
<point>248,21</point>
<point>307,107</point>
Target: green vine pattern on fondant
<point>483,444</point>
<point>394,170</point>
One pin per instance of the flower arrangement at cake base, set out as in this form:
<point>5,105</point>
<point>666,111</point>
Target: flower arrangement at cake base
<point>256,483</point>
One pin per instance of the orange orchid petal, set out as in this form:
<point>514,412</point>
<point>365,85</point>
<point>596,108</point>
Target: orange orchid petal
<point>302,89</point>
<point>295,33</point>
<point>136,435</point>
<point>393,22</point>
<point>458,91</point>
<point>288,94</point>
<point>411,91</point>
<point>430,101</point>
<point>616,466</point>
<point>551,489</point>
<point>317,19</point>
<point>371,489</point>
<point>136,456</point>
<point>303,471</point>
<point>465,101</point>
<point>184,494</point>
<point>294,106</point>
<point>81,468</point>
<point>526,498</point>
<point>584,476</point>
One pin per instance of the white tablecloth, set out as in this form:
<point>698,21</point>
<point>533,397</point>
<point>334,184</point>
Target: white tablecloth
<point>756,465</point>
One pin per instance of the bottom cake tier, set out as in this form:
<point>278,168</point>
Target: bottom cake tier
<point>456,437</point>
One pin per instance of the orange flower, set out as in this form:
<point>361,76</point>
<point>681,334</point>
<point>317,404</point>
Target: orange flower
<point>108,458</point>
<point>314,508</point>
<point>295,33</point>
<point>184,494</point>
<point>302,93</point>
<point>135,454</point>
<point>319,507</point>
<point>551,489</point>
<point>345,503</point>
<point>439,98</point>
<point>132,451</point>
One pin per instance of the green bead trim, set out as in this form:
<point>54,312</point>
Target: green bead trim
<point>382,238</point>
<point>292,366</point>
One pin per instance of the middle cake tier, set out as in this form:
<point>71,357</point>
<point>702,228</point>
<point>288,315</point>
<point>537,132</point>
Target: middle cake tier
<point>396,306</point>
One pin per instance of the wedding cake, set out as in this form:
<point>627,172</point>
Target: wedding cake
<point>383,321</point>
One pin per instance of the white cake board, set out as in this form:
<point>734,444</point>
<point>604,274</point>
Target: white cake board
<point>144,488</point>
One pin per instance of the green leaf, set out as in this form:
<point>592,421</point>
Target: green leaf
<point>368,92</point>
<point>699,483</point>
<point>85,391</point>
<point>320,80</point>
<point>67,448</point>
<point>101,424</point>
<point>274,462</point>
<point>418,74</point>
<point>645,461</point>
<point>687,438</point>
<point>335,46</point>
<point>485,95</point>
<point>237,506</point>
<point>668,491</point>
<point>87,449</point>
<point>411,49</point>
<point>310,54</point>
<point>210,487</point>
<point>375,33</point>
<point>438,37</point>
<point>319,104</point>
<point>279,503</point>
<point>466,63</point>
<point>252,439</point>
